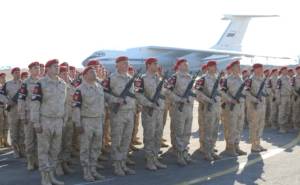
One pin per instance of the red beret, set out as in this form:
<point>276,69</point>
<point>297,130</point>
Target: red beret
<point>2,74</point>
<point>235,62</point>
<point>291,70</point>
<point>266,71</point>
<point>15,69</point>
<point>63,69</point>
<point>72,68</point>
<point>274,70</point>
<point>204,67</point>
<point>211,63</point>
<point>42,65</point>
<point>87,69</point>
<point>244,71</point>
<point>150,61</point>
<point>23,74</point>
<point>257,65</point>
<point>178,62</point>
<point>130,68</point>
<point>32,64</point>
<point>51,62</point>
<point>93,63</point>
<point>283,68</point>
<point>64,64</point>
<point>298,67</point>
<point>121,58</point>
<point>228,67</point>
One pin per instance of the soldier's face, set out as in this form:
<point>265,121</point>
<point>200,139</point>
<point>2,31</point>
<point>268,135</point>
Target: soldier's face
<point>184,67</point>
<point>212,69</point>
<point>35,71</point>
<point>92,74</point>
<point>17,75</point>
<point>298,72</point>
<point>259,71</point>
<point>53,69</point>
<point>122,66</point>
<point>236,68</point>
<point>153,67</point>
<point>284,72</point>
<point>2,80</point>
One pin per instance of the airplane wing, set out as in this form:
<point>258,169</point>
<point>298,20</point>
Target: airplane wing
<point>210,52</point>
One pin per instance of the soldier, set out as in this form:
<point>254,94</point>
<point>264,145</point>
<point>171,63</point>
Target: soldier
<point>10,97</point>
<point>290,124</point>
<point>211,110</point>
<point>122,120</point>
<point>24,99</point>
<point>72,72</point>
<point>48,112</point>
<point>152,114</point>
<point>88,102</point>
<point>42,70</point>
<point>273,104</point>
<point>256,107</point>
<point>68,129</point>
<point>24,75</point>
<point>201,115</point>
<point>296,104</point>
<point>3,115</point>
<point>283,95</point>
<point>135,138</point>
<point>181,118</point>
<point>268,100</point>
<point>234,117</point>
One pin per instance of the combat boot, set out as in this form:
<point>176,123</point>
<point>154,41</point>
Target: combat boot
<point>180,159</point>
<point>159,164</point>
<point>87,175</point>
<point>260,147</point>
<point>150,165</point>
<point>130,162</point>
<point>127,170</point>
<point>17,154</point>
<point>59,170</point>
<point>99,166</point>
<point>239,151</point>
<point>187,156</point>
<point>54,180</point>
<point>216,156</point>
<point>118,169</point>
<point>45,178</point>
<point>67,168</point>
<point>30,164</point>
<point>231,150</point>
<point>95,174</point>
<point>255,148</point>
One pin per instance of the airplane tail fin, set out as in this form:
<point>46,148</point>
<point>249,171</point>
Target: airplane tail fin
<point>233,36</point>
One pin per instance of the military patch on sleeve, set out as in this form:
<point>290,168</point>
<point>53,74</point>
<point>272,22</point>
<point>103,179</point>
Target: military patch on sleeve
<point>171,82</point>
<point>279,84</point>
<point>269,84</point>
<point>106,85</point>
<point>200,84</point>
<point>77,99</point>
<point>76,83</point>
<point>37,94</point>
<point>3,90</point>
<point>139,85</point>
<point>293,81</point>
<point>23,92</point>
<point>223,83</point>
<point>248,84</point>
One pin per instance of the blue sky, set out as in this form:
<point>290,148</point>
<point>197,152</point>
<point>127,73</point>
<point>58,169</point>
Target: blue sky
<point>70,30</point>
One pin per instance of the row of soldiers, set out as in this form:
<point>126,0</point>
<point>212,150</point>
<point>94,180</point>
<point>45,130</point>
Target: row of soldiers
<point>50,111</point>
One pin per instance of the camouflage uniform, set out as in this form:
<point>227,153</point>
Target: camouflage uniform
<point>121,122</point>
<point>181,122</point>
<point>3,123</point>
<point>234,118</point>
<point>296,102</point>
<point>283,97</point>
<point>256,111</point>
<point>88,102</point>
<point>24,100</point>
<point>274,105</point>
<point>67,135</point>
<point>48,111</point>
<point>204,88</point>
<point>10,96</point>
<point>145,88</point>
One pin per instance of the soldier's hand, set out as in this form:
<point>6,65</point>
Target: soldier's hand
<point>121,101</point>
<point>39,130</point>
<point>80,130</point>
